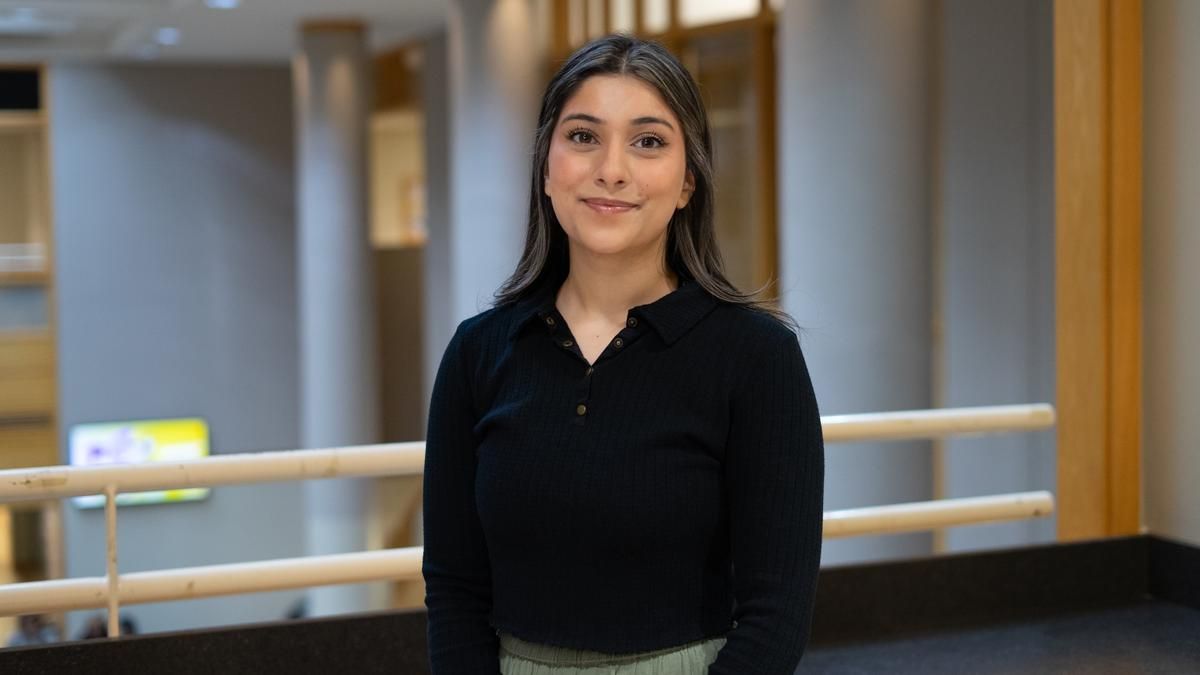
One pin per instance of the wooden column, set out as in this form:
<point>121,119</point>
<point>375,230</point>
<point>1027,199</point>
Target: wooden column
<point>1098,99</point>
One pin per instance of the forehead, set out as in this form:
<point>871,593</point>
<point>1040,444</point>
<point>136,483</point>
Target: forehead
<point>617,98</point>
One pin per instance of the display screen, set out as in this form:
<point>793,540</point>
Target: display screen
<point>139,442</point>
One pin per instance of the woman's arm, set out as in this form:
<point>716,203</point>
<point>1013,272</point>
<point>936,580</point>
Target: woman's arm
<point>774,478</point>
<point>458,580</point>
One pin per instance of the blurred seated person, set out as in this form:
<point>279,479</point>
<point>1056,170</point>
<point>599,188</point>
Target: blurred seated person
<point>33,629</point>
<point>97,627</point>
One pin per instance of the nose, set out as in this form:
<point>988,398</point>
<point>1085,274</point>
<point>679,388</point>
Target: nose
<point>613,171</point>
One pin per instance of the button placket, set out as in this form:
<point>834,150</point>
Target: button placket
<point>560,333</point>
<point>583,395</point>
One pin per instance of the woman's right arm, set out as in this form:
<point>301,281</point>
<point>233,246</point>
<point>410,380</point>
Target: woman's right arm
<point>458,580</point>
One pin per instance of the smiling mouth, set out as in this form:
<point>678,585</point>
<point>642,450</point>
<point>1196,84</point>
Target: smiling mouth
<point>608,206</point>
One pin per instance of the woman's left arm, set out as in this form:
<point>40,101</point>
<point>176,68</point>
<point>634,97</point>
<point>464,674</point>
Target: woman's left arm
<point>775,475</point>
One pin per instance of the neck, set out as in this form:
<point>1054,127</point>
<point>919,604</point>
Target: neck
<point>608,287</point>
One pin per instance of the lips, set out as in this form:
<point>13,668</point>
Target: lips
<point>609,205</point>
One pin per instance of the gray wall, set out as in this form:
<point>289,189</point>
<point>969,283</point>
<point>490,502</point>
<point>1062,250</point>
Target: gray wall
<point>175,274</point>
<point>854,232</point>
<point>437,307</point>
<point>995,222</point>
<point>1171,456</point>
<point>916,241</point>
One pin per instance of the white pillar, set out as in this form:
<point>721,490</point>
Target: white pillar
<point>495,57</point>
<point>439,318</point>
<point>854,123</point>
<point>481,83</point>
<point>338,374</point>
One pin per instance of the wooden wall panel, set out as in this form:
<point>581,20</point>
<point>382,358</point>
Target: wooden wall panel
<point>1097,94</point>
<point>25,445</point>
<point>27,400</point>
<point>1125,241</point>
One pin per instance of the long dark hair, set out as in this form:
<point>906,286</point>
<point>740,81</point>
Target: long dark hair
<point>692,251</point>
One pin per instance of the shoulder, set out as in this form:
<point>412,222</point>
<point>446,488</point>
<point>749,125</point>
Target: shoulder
<point>745,344</point>
<point>477,336</point>
<point>482,326</point>
<point>751,330</point>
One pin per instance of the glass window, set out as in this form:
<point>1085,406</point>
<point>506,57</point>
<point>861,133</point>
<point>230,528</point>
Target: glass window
<point>620,16</point>
<point>397,153</point>
<point>722,64</point>
<point>23,308</point>
<point>576,22</point>
<point>595,19</point>
<point>700,12</point>
<point>23,217</point>
<point>656,16</point>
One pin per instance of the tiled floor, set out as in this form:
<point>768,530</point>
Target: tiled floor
<point>1151,637</point>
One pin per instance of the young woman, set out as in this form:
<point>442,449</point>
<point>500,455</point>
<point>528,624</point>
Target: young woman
<point>624,463</point>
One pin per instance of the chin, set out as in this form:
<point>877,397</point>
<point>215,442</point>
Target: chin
<point>602,243</point>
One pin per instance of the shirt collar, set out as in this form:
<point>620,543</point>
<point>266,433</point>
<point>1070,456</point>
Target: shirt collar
<point>671,316</point>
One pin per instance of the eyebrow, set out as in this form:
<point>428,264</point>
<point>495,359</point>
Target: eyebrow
<point>636,121</point>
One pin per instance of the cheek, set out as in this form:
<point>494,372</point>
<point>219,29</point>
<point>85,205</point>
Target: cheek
<point>565,169</point>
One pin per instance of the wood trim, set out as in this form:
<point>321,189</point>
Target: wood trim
<point>22,119</point>
<point>560,34</point>
<point>48,196</point>
<point>763,54</point>
<point>1081,282</point>
<point>396,86</point>
<point>332,26</point>
<point>1097,265</point>
<point>1125,280</point>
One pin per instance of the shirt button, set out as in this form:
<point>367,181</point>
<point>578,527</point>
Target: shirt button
<point>617,342</point>
<point>549,321</point>
<point>567,343</point>
<point>632,322</point>
<point>580,409</point>
<point>589,370</point>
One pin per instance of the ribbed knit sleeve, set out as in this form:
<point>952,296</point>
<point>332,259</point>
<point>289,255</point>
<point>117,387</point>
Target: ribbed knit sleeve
<point>458,579</point>
<point>774,478</point>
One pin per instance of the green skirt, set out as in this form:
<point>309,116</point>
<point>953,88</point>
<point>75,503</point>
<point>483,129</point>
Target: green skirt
<point>518,657</point>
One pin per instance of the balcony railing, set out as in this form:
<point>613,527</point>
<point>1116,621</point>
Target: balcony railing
<point>391,459</point>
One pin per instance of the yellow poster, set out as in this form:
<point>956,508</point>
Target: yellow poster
<point>139,442</point>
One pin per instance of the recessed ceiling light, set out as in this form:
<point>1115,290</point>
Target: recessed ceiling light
<point>167,36</point>
<point>222,4</point>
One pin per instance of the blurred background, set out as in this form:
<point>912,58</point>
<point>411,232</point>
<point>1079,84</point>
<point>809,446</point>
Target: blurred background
<point>244,225</point>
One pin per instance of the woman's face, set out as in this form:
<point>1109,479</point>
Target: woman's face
<point>616,171</point>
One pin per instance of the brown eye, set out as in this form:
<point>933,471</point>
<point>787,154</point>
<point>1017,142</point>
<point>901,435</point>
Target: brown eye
<point>580,132</point>
<point>656,142</point>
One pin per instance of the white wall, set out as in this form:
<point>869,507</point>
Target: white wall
<point>1171,455</point>
<point>916,242</point>
<point>855,148</point>
<point>995,241</point>
<point>175,276</point>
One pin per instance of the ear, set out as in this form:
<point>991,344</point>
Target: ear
<point>685,195</point>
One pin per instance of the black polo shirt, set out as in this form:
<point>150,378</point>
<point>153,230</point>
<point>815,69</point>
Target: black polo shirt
<point>670,492</point>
